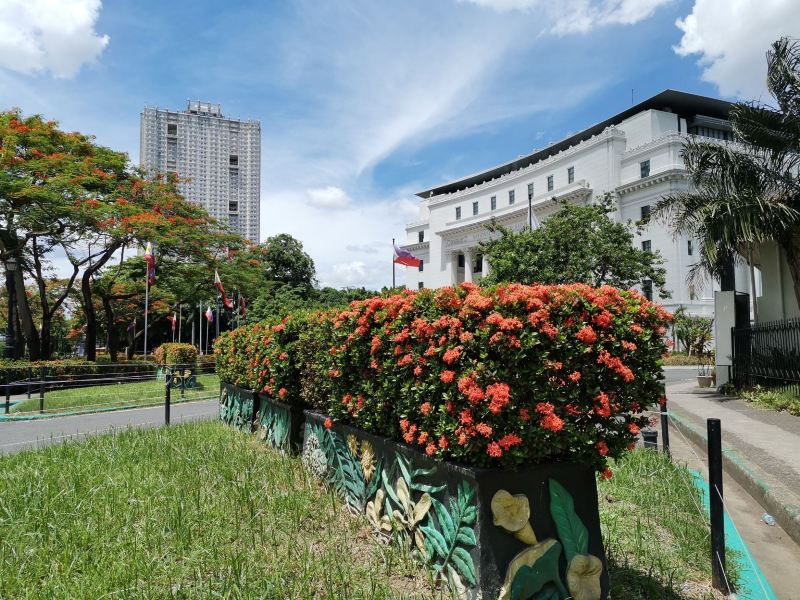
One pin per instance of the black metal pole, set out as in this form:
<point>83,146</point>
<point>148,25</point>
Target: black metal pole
<point>41,388</point>
<point>168,378</point>
<point>664,424</point>
<point>30,379</point>
<point>718,577</point>
<point>530,212</point>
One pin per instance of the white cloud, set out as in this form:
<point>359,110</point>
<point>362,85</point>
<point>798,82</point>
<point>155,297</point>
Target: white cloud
<point>46,35</point>
<point>328,197</point>
<point>580,16</point>
<point>732,37</point>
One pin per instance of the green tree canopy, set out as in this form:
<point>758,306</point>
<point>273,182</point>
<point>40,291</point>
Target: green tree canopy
<point>287,262</point>
<point>577,244</point>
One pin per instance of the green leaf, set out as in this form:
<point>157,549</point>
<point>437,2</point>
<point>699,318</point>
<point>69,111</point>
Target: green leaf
<point>445,520</point>
<point>571,530</point>
<point>466,536</point>
<point>463,561</point>
<point>529,580</point>
<point>424,487</point>
<point>438,543</point>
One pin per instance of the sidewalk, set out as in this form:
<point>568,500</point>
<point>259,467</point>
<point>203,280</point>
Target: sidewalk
<point>760,447</point>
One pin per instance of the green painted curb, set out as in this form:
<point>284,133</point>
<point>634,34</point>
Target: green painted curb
<point>752,583</point>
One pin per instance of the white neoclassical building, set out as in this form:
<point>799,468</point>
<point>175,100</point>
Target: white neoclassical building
<point>635,155</point>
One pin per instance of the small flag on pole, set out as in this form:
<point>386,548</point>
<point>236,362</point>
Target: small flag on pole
<point>150,259</point>
<point>404,257</point>
<point>218,285</point>
<point>209,315</point>
<point>174,320</point>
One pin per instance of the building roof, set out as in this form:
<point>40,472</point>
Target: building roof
<point>683,103</point>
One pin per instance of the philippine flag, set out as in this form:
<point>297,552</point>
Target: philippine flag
<point>209,315</point>
<point>404,257</point>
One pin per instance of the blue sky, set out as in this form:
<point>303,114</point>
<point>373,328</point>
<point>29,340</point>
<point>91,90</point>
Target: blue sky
<point>364,103</point>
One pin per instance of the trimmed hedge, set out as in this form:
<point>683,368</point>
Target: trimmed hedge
<point>500,376</point>
<point>175,354</point>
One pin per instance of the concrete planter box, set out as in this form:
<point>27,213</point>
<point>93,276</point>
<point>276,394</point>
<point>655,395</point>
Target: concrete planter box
<point>486,533</point>
<point>238,407</point>
<point>280,425</point>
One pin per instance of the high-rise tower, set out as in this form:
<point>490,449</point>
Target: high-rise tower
<point>219,160</point>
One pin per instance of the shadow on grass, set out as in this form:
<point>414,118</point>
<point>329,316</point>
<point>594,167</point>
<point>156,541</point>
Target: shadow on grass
<point>631,584</point>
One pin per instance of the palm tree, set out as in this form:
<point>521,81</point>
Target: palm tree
<point>748,193</point>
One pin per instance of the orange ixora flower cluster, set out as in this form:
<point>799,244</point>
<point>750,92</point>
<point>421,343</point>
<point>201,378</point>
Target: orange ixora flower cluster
<point>498,376</point>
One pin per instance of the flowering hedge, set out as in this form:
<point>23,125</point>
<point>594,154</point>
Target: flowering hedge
<point>175,354</point>
<point>506,375</point>
<point>263,357</point>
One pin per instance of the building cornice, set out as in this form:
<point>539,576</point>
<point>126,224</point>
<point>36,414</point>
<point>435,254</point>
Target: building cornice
<point>668,175</point>
<point>610,133</point>
<point>573,193</point>
<point>418,246</point>
<point>664,140</point>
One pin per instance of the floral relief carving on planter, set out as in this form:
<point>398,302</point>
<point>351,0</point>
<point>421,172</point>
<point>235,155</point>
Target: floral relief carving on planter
<point>476,529</point>
<point>237,407</point>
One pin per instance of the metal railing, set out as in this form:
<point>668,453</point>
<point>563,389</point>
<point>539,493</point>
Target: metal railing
<point>48,390</point>
<point>768,355</point>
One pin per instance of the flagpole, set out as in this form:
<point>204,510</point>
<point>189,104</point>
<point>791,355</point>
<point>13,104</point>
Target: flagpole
<point>206,336</point>
<point>393,268</point>
<point>146,306</point>
<point>180,316</point>
<point>173,327</point>
<point>200,327</point>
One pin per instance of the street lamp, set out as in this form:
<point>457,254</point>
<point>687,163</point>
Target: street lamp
<point>11,266</point>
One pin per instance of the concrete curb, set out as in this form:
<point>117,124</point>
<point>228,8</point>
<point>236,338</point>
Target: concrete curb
<point>778,503</point>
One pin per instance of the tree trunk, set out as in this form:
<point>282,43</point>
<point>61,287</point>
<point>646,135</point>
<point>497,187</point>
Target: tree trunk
<point>25,316</point>
<point>112,341</point>
<point>88,306</point>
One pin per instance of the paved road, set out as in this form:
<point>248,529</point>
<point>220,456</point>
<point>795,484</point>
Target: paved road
<point>676,374</point>
<point>18,435</point>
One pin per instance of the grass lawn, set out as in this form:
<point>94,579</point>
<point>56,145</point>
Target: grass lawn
<point>190,511</point>
<point>782,401</point>
<point>657,540</point>
<point>201,511</point>
<point>118,395</point>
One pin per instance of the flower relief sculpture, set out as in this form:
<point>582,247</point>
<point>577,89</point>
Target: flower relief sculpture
<point>534,572</point>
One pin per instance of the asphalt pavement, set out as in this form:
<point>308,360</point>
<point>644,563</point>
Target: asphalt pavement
<point>19,435</point>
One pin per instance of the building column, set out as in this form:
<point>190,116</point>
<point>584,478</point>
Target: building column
<point>484,265</point>
<point>468,264</point>
<point>452,268</point>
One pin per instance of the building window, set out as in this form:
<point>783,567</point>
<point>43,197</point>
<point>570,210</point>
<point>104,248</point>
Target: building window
<point>647,246</point>
<point>549,183</point>
<point>420,285</point>
<point>511,196</point>
<point>458,213</point>
<point>689,247</point>
<point>570,174</point>
<point>172,129</point>
<point>461,261</point>
<point>421,236</point>
<point>645,213</point>
<point>479,264</point>
<point>647,289</point>
<point>644,168</point>
<point>421,265</point>
<point>530,191</point>
<point>474,208</point>
<point>233,160</point>
<point>493,202</point>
